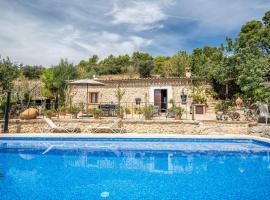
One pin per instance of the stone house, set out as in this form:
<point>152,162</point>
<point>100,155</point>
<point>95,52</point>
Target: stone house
<point>156,91</point>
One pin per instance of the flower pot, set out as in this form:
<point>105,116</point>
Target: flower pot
<point>238,102</point>
<point>148,118</point>
<point>120,116</point>
<point>96,116</point>
<point>48,116</point>
<point>63,113</point>
<point>178,117</point>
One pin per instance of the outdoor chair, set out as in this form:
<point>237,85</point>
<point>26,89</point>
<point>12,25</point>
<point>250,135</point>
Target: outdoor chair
<point>115,127</point>
<point>52,127</point>
<point>264,113</point>
<point>170,115</point>
<point>156,111</point>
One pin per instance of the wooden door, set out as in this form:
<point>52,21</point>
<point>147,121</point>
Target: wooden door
<point>157,97</point>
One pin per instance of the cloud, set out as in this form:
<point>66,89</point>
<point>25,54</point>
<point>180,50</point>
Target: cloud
<point>43,32</point>
<point>31,41</point>
<point>139,15</point>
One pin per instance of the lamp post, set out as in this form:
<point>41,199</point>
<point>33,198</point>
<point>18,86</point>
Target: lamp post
<point>193,114</point>
<point>188,75</point>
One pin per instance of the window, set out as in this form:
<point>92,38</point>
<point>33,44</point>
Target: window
<point>93,97</point>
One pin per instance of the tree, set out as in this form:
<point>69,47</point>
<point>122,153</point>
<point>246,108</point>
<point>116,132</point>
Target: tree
<point>159,63</point>
<point>86,69</point>
<point>138,57</point>
<point>177,64</point>
<point>31,72</point>
<point>145,68</point>
<point>55,79</point>
<point>114,65</point>
<point>252,75</point>
<point>8,73</point>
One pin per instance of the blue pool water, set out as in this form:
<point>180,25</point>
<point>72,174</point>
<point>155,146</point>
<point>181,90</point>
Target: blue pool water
<point>50,169</point>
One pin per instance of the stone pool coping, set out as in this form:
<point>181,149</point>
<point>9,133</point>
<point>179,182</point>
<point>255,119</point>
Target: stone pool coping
<point>132,135</point>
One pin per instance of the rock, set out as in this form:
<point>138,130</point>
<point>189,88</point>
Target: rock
<point>30,113</point>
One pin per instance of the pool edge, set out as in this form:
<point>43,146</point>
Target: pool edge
<point>132,135</point>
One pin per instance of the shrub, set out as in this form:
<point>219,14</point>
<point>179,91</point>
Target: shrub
<point>178,111</point>
<point>148,111</point>
<point>222,106</point>
<point>74,110</point>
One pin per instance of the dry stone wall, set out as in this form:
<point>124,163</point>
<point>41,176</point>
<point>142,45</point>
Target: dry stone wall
<point>150,126</point>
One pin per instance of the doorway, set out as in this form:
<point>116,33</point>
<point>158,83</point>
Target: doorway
<point>161,99</point>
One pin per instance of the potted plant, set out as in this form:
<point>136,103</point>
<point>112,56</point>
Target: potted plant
<point>148,112</point>
<point>74,110</point>
<point>138,110</point>
<point>120,112</point>
<point>178,112</point>
<point>48,113</point>
<point>199,95</point>
<point>222,107</point>
<point>63,110</point>
<point>127,110</point>
<point>96,112</point>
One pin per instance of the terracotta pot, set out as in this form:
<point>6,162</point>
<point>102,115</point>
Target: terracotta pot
<point>120,116</point>
<point>30,113</point>
<point>96,116</point>
<point>48,116</point>
<point>178,117</point>
<point>63,113</point>
<point>238,102</point>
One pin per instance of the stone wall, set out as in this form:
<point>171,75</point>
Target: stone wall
<point>151,126</point>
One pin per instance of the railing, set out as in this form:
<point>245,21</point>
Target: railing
<point>129,110</point>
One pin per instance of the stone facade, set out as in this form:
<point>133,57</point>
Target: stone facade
<point>151,126</point>
<point>134,88</point>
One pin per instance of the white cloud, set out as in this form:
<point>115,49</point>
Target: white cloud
<point>42,32</point>
<point>31,41</point>
<point>139,15</point>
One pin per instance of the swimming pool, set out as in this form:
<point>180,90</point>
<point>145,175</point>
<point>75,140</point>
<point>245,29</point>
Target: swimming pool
<point>65,168</point>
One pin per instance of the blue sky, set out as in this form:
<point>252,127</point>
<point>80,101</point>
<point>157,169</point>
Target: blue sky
<point>44,31</point>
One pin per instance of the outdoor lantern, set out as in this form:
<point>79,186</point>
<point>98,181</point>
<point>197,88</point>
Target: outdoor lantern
<point>138,101</point>
<point>183,98</point>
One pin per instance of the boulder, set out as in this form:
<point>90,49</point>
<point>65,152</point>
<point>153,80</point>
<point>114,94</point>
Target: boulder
<point>30,113</point>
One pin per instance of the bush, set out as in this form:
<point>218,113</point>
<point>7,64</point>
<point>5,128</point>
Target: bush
<point>74,110</point>
<point>178,111</point>
<point>95,111</point>
<point>145,68</point>
<point>223,106</point>
<point>148,111</point>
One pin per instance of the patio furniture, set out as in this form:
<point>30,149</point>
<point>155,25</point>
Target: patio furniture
<point>52,127</point>
<point>115,127</point>
<point>108,109</point>
<point>170,115</point>
<point>264,113</point>
<point>156,111</point>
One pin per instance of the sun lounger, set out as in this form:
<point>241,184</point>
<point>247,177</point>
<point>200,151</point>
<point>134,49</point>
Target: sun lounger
<point>115,127</point>
<point>52,127</point>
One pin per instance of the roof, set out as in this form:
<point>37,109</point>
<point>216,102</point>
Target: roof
<point>150,81</point>
<point>86,82</point>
